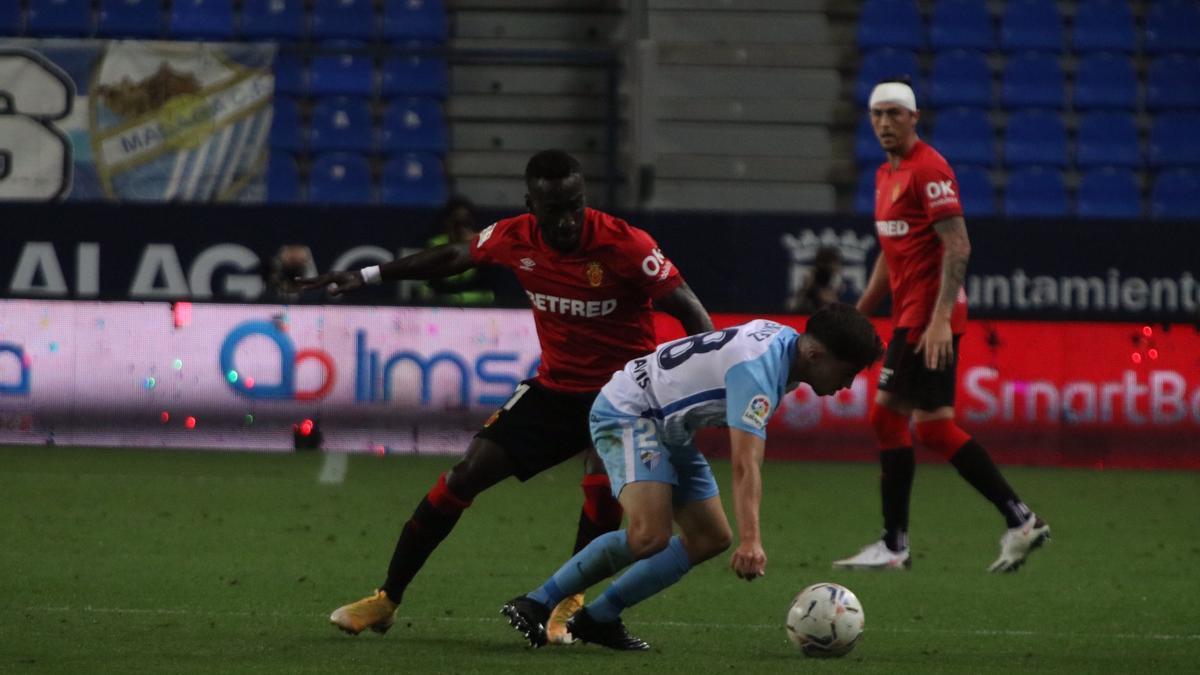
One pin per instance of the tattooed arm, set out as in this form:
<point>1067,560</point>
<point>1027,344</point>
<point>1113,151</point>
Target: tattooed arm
<point>937,343</point>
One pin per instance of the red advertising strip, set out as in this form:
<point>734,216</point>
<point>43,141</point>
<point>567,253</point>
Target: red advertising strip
<point>1101,395</point>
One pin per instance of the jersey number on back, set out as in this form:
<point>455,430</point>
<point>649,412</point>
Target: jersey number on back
<point>681,350</point>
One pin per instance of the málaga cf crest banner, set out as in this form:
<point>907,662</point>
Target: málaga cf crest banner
<point>134,120</point>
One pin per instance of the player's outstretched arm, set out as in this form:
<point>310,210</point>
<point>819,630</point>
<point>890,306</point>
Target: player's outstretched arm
<point>937,342</point>
<point>683,304</point>
<point>434,263</point>
<point>877,287</point>
<point>749,560</point>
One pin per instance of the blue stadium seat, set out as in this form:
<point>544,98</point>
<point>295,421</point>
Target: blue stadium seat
<point>1107,139</point>
<point>201,19</point>
<point>1036,192</point>
<point>341,123</point>
<point>1173,26</point>
<point>961,24</point>
<point>130,18</point>
<point>349,74</point>
<point>291,75</point>
<point>1035,137</point>
<point>1174,141</point>
<point>1032,80</point>
<point>1174,83</point>
<point>287,133</point>
<point>1105,81</point>
<point>864,194</point>
<point>1109,193</point>
<point>1104,25</point>
<point>1174,194</point>
<point>414,179</point>
<point>414,20</point>
<point>964,136</point>
<point>1031,24</point>
<point>882,64</point>
<point>425,76</point>
<point>274,19</point>
<point>975,191</point>
<point>414,125</point>
<point>283,179</point>
<point>70,18</point>
<point>11,20</point>
<point>890,23</point>
<point>340,178</point>
<point>343,20</point>
<point>866,147</point>
<point>960,78</point>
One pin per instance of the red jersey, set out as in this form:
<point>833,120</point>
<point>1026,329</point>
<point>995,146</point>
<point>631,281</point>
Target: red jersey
<point>592,307</point>
<point>908,201</point>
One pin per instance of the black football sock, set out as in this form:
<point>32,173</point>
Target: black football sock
<point>978,469</point>
<point>432,520</point>
<point>895,487</point>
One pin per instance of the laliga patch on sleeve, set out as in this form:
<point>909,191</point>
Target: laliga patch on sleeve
<point>485,235</point>
<point>758,412</point>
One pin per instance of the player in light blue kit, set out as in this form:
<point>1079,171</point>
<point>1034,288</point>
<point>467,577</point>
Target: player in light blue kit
<point>642,425</point>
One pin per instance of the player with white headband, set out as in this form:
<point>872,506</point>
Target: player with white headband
<point>923,264</point>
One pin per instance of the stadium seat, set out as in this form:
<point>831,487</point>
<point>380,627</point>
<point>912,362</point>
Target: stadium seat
<point>1032,80</point>
<point>975,190</point>
<point>1174,141</point>
<point>864,195</point>
<point>201,19</point>
<point>961,24</point>
<point>414,180</point>
<point>130,18</point>
<point>960,78</point>
<point>1105,81</point>
<point>283,179</point>
<point>964,136</point>
<point>1174,195</point>
<point>1172,26</point>
<point>425,76</point>
<point>1035,137</point>
<point>343,20</point>
<point>414,125</point>
<point>882,64</point>
<point>1107,139</point>
<point>866,146</point>
<point>273,19</point>
<point>291,76</point>
<point>340,123</point>
<point>340,178</point>
<point>1104,25</point>
<point>349,74</point>
<point>69,18</point>
<point>890,23</point>
<point>1031,24</point>
<point>12,22</point>
<point>1109,193</point>
<point>287,133</point>
<point>1036,192</point>
<point>415,20</point>
<point>1174,83</point>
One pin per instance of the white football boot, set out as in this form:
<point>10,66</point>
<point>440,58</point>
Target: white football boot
<point>1018,542</point>
<point>876,556</point>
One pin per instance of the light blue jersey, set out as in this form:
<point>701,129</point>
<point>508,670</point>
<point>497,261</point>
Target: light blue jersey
<point>648,412</point>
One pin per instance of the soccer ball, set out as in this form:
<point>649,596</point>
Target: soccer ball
<point>825,620</point>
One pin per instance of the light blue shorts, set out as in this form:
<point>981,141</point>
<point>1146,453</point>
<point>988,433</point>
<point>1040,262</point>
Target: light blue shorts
<point>632,450</point>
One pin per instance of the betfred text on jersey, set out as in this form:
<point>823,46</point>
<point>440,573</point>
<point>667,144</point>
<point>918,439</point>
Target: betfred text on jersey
<point>571,307</point>
<point>891,228</point>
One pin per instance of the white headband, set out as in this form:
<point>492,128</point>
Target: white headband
<point>894,92</point>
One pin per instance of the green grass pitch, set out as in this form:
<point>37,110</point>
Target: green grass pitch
<point>161,561</point>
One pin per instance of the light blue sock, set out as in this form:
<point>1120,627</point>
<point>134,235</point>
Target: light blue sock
<point>603,557</point>
<point>643,580</point>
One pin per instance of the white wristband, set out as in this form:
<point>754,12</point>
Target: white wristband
<point>371,275</point>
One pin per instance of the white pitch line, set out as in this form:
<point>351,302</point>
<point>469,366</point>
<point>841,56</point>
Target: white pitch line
<point>333,469</point>
<point>669,624</point>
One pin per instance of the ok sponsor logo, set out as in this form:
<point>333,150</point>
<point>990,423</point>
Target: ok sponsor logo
<point>941,192</point>
<point>284,387</point>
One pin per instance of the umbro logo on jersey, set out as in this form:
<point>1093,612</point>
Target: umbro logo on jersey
<point>527,264</point>
<point>485,234</point>
<point>891,228</point>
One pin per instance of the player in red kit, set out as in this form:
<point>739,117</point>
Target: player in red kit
<point>923,264</point>
<point>592,280</point>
